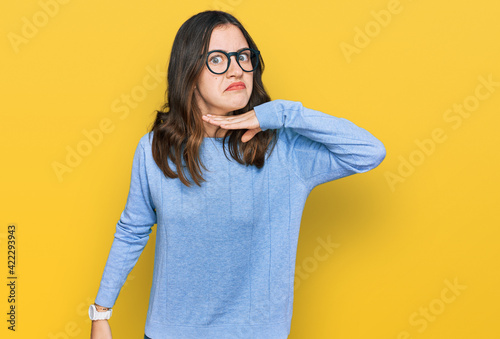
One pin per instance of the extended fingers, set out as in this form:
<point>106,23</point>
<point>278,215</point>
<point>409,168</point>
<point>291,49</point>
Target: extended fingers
<point>226,119</point>
<point>231,122</point>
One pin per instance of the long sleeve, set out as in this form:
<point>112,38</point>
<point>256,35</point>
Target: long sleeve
<point>322,147</point>
<point>132,233</point>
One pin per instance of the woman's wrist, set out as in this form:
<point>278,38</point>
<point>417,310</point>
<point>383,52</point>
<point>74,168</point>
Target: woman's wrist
<point>100,308</point>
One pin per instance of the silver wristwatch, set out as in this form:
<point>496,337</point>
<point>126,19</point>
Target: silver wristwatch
<point>99,312</point>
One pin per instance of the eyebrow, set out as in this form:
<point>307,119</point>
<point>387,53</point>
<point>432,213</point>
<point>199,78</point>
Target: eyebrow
<point>220,49</point>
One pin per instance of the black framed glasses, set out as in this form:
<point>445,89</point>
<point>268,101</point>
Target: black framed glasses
<point>218,61</point>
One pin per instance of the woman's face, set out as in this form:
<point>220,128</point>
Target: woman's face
<point>211,91</point>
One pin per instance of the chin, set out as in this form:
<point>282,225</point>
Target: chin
<point>239,104</point>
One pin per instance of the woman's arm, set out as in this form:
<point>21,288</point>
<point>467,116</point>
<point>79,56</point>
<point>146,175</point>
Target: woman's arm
<point>322,147</point>
<point>100,330</point>
<point>132,232</point>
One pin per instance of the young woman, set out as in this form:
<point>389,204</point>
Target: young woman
<point>226,236</point>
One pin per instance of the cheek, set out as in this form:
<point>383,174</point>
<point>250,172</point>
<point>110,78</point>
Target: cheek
<point>214,85</point>
<point>208,80</point>
<point>250,86</point>
<point>208,85</point>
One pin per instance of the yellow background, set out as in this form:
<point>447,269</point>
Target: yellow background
<point>399,242</point>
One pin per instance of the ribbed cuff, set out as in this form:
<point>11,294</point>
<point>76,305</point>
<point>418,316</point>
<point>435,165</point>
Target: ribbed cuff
<point>268,115</point>
<point>106,297</point>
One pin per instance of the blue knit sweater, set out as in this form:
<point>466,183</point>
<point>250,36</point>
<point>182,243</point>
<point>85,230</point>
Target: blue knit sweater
<point>225,252</point>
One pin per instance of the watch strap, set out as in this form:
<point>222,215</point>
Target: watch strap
<point>95,314</point>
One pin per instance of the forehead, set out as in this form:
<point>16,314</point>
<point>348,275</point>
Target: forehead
<point>227,38</point>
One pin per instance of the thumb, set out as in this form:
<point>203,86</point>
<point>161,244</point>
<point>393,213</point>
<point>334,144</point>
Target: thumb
<point>250,134</point>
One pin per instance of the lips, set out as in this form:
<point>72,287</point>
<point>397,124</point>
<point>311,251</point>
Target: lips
<point>236,86</point>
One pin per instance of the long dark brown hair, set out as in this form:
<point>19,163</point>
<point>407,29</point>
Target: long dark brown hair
<point>178,127</point>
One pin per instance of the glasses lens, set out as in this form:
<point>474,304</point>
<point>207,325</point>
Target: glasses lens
<point>217,62</point>
<point>248,60</point>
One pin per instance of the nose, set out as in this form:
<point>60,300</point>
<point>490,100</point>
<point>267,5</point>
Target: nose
<point>234,68</point>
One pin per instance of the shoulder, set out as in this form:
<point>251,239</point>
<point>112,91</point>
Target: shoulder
<point>146,140</point>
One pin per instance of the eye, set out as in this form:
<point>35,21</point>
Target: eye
<point>245,56</point>
<point>217,59</point>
